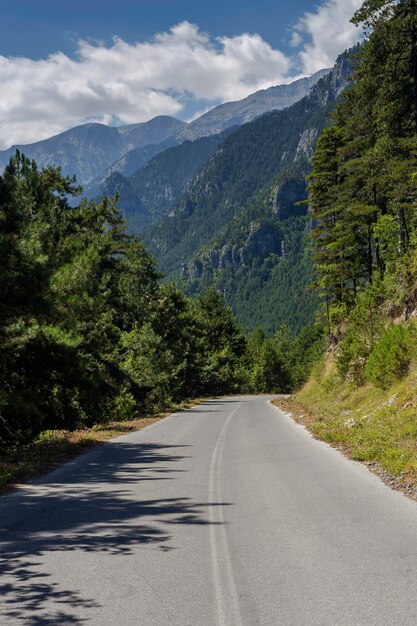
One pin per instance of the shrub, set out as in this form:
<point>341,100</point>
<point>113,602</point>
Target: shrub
<point>391,356</point>
<point>125,405</point>
<point>351,358</point>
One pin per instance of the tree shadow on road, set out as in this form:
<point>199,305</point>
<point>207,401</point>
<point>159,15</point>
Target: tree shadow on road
<point>85,508</point>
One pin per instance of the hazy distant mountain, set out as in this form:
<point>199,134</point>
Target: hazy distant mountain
<point>95,151</point>
<point>246,110</point>
<point>88,150</point>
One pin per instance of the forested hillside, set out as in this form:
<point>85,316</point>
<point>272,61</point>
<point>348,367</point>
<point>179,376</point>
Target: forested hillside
<point>363,185</point>
<point>150,192</point>
<point>363,194</point>
<point>88,332</point>
<point>239,227</point>
<point>260,261</point>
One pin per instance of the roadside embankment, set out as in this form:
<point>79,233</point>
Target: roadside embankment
<point>369,424</point>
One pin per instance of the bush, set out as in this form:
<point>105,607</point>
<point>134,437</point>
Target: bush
<point>351,358</point>
<point>125,405</point>
<point>390,359</point>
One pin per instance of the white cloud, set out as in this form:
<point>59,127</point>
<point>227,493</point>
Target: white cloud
<point>329,32</point>
<point>296,39</point>
<point>126,83</point>
<point>178,71</point>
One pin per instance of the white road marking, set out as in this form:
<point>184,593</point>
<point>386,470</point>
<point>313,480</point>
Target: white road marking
<point>227,601</point>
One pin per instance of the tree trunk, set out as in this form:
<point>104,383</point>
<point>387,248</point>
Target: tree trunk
<point>370,264</point>
<point>414,61</point>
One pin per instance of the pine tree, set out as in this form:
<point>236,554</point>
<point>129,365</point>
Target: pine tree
<point>363,170</point>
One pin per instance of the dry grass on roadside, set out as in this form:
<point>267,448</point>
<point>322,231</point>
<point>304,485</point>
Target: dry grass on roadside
<point>374,426</point>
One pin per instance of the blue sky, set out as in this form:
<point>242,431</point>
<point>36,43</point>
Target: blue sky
<point>125,61</point>
<point>36,28</point>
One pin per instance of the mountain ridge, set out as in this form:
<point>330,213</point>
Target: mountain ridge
<point>247,109</point>
<point>238,228</point>
<point>89,150</point>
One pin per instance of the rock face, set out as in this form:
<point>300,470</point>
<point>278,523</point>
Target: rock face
<point>260,242</point>
<point>331,86</point>
<point>306,143</point>
<point>260,238</point>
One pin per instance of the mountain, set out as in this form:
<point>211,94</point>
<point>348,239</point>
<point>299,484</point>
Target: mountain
<point>219,119</point>
<point>95,151</point>
<point>246,110</point>
<point>133,160</point>
<point>88,150</point>
<point>127,165</point>
<point>239,228</point>
<point>150,193</point>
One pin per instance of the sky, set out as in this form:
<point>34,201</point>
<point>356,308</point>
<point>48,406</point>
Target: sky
<point>125,61</point>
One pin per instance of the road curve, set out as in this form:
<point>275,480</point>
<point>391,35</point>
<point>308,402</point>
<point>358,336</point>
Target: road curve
<point>228,514</point>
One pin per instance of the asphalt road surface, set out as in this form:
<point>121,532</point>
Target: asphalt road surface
<point>228,514</point>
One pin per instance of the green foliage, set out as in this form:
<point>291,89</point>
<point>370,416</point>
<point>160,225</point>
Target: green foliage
<point>363,187</point>
<point>385,232</point>
<point>270,373</point>
<point>306,351</point>
<point>391,356</point>
<point>364,323</point>
<point>283,362</point>
<point>86,330</point>
<point>363,197</point>
<point>352,353</point>
<point>125,405</point>
<point>222,341</point>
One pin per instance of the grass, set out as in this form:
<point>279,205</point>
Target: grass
<point>370,424</point>
<point>53,447</point>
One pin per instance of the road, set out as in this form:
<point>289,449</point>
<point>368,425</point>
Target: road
<point>227,514</point>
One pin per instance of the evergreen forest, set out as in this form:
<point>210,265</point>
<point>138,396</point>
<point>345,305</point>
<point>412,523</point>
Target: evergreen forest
<point>363,192</point>
<point>89,333</point>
